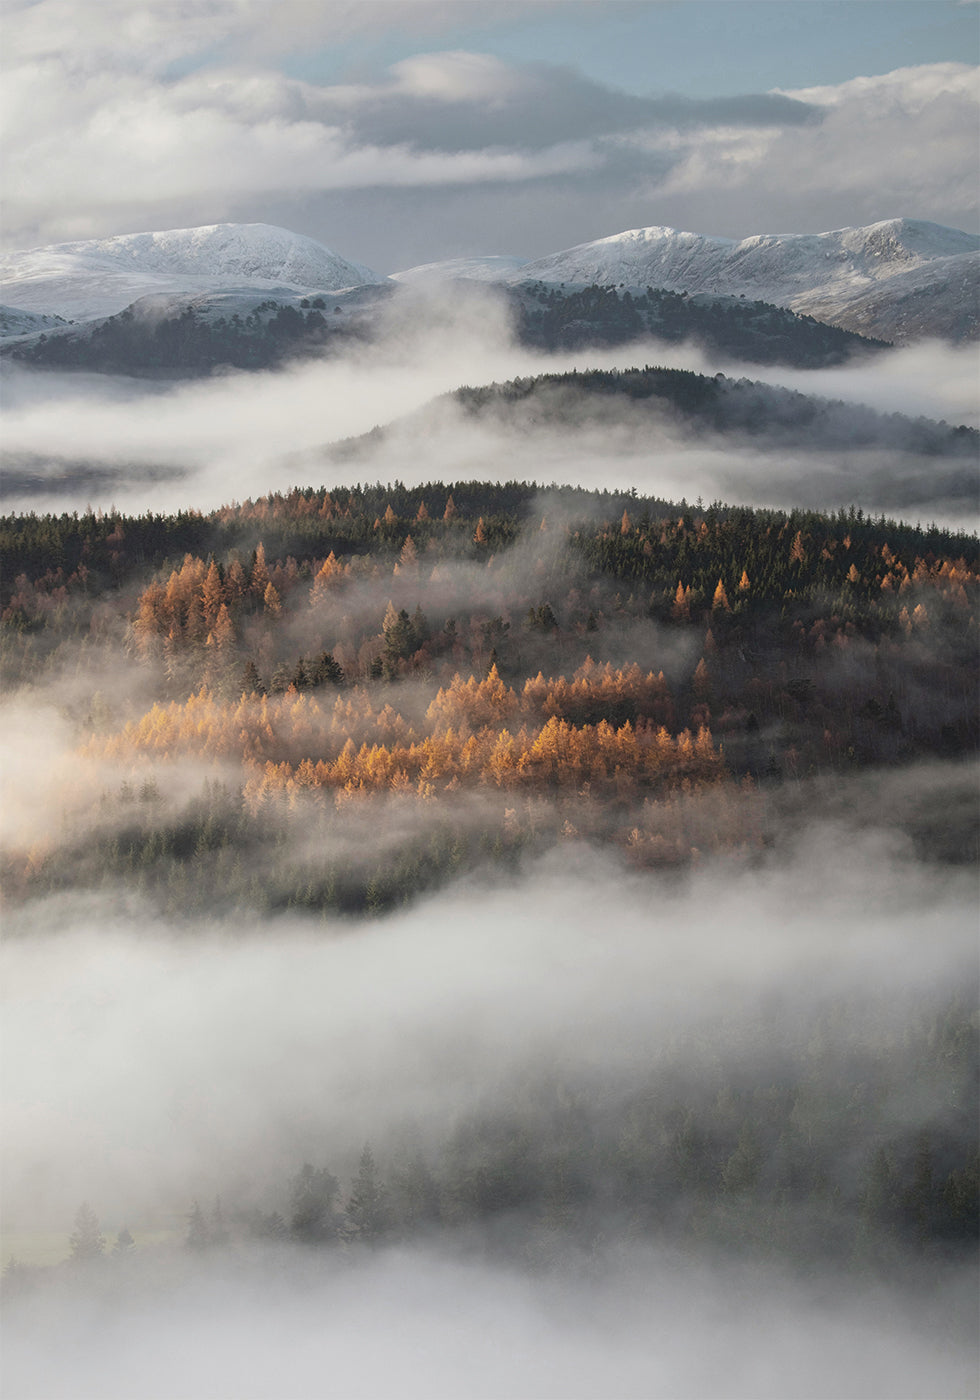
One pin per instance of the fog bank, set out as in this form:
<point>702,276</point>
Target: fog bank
<point>145,1063</point>
<point>424,1324</point>
<point>78,440</point>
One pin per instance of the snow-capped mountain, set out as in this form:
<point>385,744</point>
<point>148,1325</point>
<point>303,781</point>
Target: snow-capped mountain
<point>843,276</point>
<point>492,269</point>
<point>896,280</point>
<point>99,277</point>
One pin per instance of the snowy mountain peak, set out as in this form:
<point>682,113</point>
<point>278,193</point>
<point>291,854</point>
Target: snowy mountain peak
<point>100,276</point>
<point>473,269</point>
<point>246,252</point>
<point>656,235</point>
<point>897,279</point>
<point>769,266</point>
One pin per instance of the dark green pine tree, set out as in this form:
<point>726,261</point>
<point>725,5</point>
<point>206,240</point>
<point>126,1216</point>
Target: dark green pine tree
<point>420,627</point>
<point>324,670</point>
<point>418,1199</point>
<point>251,680</point>
<point>399,640</point>
<point>313,1192</point>
<point>281,679</point>
<point>368,1215</point>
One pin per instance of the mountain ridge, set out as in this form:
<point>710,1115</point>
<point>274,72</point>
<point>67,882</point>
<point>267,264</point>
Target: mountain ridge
<point>841,276</point>
<point>100,277</point>
<point>898,279</point>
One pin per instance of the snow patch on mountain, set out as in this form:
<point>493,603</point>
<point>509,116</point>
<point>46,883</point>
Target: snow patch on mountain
<point>14,322</point>
<point>99,277</point>
<point>769,267</point>
<point>491,269</point>
<point>846,276</point>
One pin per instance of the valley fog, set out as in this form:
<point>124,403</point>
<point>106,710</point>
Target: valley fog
<point>149,1064</point>
<point>75,441</point>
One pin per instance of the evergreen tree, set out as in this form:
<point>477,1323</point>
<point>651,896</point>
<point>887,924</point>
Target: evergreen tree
<point>368,1217</point>
<point>312,1193</point>
<point>251,680</point>
<point>87,1241</point>
<point>324,670</point>
<point>125,1244</point>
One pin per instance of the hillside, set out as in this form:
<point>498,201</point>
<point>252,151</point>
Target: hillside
<point>602,662</point>
<point>715,404</point>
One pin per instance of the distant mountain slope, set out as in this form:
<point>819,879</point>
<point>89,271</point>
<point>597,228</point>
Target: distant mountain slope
<point>556,318</point>
<point>800,263</point>
<point>853,277</point>
<point>99,277</point>
<point>184,336</point>
<point>683,434</point>
<point>15,322</point>
<point>939,298</point>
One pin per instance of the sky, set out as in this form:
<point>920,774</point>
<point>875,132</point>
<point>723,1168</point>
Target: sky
<point>402,133</point>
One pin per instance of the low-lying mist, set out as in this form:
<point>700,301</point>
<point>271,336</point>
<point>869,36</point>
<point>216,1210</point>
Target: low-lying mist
<point>78,440</point>
<point>426,1324</point>
<point>146,1061</point>
<point>150,1063</point>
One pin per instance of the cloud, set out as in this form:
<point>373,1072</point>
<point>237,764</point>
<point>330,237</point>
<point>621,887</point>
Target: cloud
<point>162,115</point>
<point>900,143</point>
<point>101,137</point>
<point>160,33</point>
<point>457,101</point>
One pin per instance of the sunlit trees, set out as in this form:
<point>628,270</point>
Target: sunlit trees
<point>329,576</point>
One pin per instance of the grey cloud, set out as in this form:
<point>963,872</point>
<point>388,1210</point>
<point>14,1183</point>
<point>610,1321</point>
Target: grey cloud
<point>536,106</point>
<point>527,218</point>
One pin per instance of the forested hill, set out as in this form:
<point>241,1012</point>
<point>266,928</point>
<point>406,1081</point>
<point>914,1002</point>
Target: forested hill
<point>569,661</point>
<point>192,337</point>
<point>715,403</point>
<point>373,523</point>
<point>556,318</point>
